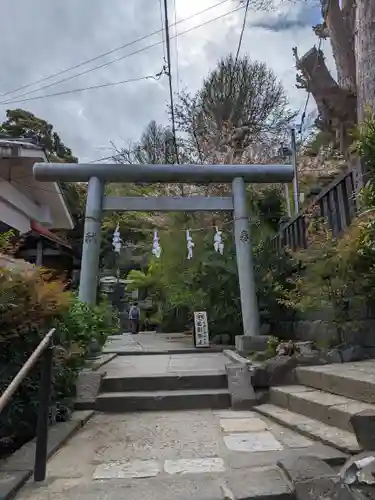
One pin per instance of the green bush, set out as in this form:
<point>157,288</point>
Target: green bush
<point>30,304</point>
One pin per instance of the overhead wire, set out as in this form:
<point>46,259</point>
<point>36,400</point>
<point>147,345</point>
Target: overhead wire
<point>168,46</point>
<point>100,56</point>
<point>176,48</point>
<point>162,29</point>
<point>92,87</point>
<point>132,54</point>
<point>242,32</point>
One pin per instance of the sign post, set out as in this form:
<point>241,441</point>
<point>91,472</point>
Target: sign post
<point>201,337</point>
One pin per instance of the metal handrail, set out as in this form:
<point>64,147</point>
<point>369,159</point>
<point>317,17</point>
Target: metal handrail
<point>44,348</point>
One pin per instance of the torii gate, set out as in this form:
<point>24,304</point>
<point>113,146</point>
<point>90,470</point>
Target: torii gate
<point>97,174</point>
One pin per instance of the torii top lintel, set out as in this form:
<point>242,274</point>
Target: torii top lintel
<point>200,174</point>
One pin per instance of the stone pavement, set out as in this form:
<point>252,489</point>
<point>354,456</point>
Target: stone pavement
<point>165,364</point>
<point>174,455</point>
<point>152,343</point>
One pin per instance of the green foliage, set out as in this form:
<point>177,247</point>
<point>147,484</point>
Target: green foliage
<point>30,304</point>
<point>6,241</point>
<point>82,322</point>
<point>20,123</point>
<point>339,273</point>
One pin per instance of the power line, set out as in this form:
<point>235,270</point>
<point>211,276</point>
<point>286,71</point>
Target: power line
<point>242,32</point>
<point>167,41</point>
<point>92,87</point>
<point>128,55</point>
<point>100,56</point>
<point>176,48</point>
<point>162,28</point>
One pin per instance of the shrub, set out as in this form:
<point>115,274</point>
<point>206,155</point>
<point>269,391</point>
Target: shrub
<point>30,304</point>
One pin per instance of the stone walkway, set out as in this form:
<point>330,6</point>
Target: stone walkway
<point>151,343</point>
<point>165,364</point>
<point>172,455</point>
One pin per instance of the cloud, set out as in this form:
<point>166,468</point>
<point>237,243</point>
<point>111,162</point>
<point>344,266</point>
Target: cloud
<point>43,37</point>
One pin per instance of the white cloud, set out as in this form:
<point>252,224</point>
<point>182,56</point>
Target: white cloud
<point>47,37</point>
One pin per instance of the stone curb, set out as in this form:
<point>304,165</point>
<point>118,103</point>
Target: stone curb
<point>18,468</point>
<point>102,360</point>
<point>192,350</point>
<point>235,357</point>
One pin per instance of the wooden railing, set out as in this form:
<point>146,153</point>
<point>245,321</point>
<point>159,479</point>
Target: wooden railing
<point>336,202</point>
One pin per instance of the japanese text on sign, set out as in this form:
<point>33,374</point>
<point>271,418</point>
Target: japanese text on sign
<point>201,329</point>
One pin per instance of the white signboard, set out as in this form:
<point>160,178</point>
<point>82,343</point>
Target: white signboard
<point>201,338</point>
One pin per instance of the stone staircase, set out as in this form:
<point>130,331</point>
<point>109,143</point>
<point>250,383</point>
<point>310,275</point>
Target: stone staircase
<point>163,392</point>
<point>322,401</point>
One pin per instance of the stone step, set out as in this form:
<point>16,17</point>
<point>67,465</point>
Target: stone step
<point>329,435</point>
<point>121,402</point>
<point>351,380</point>
<point>330,409</point>
<point>169,382</point>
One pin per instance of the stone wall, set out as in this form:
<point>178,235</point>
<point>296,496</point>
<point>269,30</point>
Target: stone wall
<point>320,327</point>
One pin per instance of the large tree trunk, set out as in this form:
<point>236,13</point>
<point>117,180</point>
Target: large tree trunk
<point>340,24</point>
<point>365,55</point>
<point>335,104</point>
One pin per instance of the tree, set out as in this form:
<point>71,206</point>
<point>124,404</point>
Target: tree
<point>155,146</point>
<point>240,106</point>
<point>341,103</point>
<point>23,124</point>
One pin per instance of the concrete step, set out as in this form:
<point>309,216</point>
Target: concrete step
<point>329,435</point>
<point>328,408</point>
<point>169,382</point>
<point>351,380</point>
<point>121,402</point>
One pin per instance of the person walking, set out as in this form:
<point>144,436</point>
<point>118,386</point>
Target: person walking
<point>134,317</point>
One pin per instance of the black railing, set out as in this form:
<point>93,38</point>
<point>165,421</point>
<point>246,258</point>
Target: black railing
<point>45,351</point>
<point>336,202</point>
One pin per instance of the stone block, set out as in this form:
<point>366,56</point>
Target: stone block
<point>363,424</point>
<point>312,479</point>
<point>301,469</point>
<point>274,371</point>
<point>240,388</point>
<point>245,343</point>
<point>87,388</point>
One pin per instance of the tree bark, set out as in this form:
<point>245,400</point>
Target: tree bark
<point>340,24</point>
<point>365,55</point>
<point>335,104</point>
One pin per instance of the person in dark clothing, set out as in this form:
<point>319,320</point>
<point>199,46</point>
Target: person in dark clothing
<point>134,317</point>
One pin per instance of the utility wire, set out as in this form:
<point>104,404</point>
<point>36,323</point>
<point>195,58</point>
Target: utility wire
<point>162,29</point>
<point>176,47</point>
<point>100,56</point>
<point>92,87</point>
<point>167,41</point>
<point>238,54</point>
<point>242,32</point>
<point>127,55</point>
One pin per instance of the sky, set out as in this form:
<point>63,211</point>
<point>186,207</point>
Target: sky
<point>44,37</point>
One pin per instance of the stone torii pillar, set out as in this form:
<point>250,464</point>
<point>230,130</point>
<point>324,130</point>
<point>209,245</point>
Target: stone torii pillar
<point>97,174</point>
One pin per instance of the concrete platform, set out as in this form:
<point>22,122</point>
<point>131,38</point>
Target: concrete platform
<point>175,455</point>
<point>328,408</point>
<point>154,343</point>
<point>164,382</point>
<point>351,380</point>
<point>328,434</point>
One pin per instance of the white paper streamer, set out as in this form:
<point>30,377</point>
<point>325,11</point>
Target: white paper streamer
<point>156,248</point>
<point>190,245</point>
<point>116,241</point>
<point>218,241</point>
